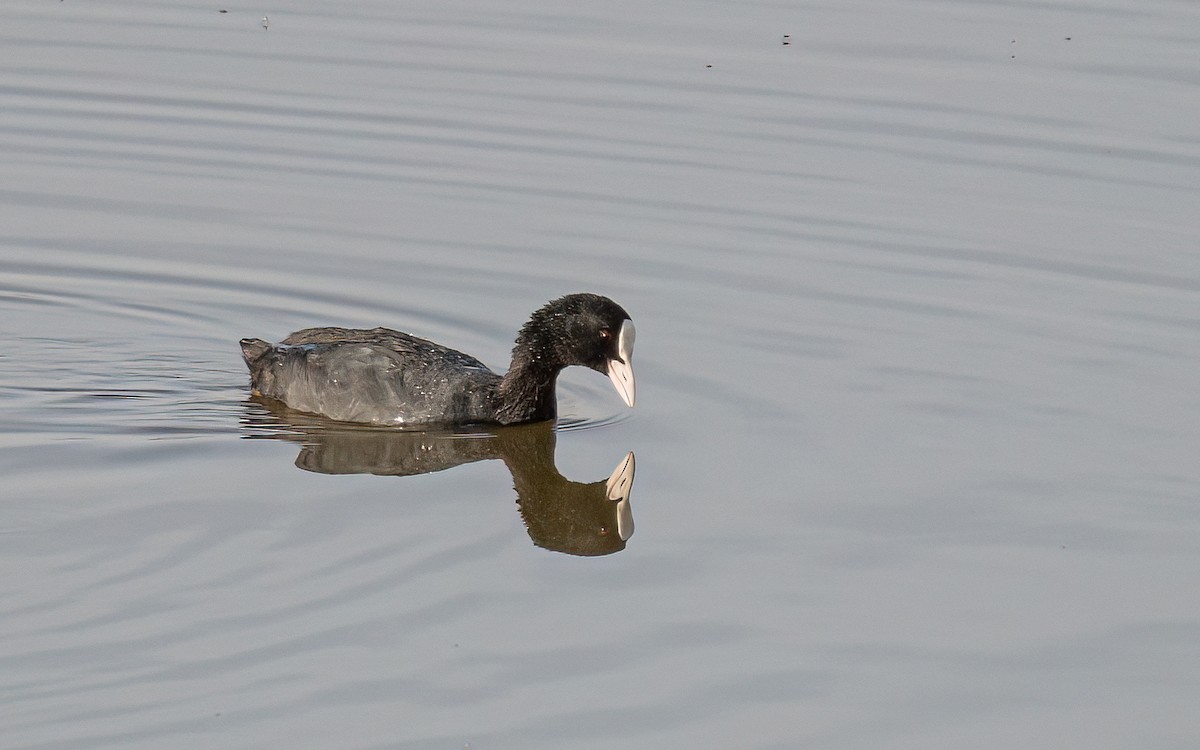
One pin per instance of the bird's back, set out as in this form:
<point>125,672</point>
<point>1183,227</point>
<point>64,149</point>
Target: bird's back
<point>373,375</point>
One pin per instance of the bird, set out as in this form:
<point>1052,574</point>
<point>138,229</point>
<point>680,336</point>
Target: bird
<point>382,376</point>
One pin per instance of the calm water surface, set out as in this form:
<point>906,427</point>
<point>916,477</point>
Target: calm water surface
<point>918,309</point>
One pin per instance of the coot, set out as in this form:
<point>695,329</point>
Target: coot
<point>381,376</point>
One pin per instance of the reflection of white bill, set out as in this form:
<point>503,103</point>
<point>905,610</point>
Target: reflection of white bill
<point>620,484</point>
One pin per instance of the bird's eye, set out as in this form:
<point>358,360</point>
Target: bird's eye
<point>606,333</point>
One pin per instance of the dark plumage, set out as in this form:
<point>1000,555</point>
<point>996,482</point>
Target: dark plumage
<point>381,376</point>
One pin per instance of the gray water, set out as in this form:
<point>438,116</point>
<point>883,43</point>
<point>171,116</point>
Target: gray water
<point>918,307</point>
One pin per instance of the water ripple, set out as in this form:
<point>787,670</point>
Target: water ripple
<point>916,296</point>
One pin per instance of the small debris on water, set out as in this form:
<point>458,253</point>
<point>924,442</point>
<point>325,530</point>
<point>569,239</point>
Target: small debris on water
<point>266,22</point>
<point>787,39</point>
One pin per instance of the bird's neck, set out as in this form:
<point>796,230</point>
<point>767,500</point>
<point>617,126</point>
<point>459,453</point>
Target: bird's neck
<point>526,391</point>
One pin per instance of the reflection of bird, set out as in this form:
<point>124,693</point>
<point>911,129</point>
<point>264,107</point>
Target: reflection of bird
<point>381,376</point>
<point>577,518</point>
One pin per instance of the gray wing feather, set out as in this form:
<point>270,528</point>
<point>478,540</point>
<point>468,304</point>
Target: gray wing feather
<point>374,375</point>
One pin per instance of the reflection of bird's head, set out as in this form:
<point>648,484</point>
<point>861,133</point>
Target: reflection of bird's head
<point>577,518</point>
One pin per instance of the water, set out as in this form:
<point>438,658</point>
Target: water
<point>917,306</point>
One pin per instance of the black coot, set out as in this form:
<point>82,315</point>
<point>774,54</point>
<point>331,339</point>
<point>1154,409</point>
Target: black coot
<point>381,376</point>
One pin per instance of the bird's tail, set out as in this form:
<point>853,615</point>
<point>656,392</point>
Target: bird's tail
<point>254,349</point>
